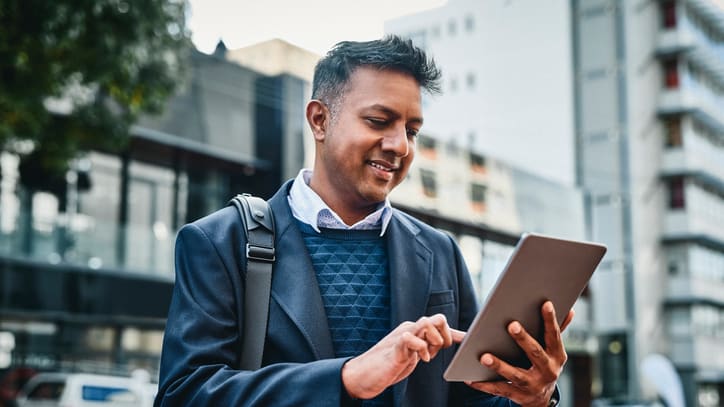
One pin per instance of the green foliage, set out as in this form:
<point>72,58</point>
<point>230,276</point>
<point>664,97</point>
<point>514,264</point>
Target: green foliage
<point>75,74</point>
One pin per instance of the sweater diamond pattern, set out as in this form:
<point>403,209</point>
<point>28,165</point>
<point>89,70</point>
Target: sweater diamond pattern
<point>353,277</point>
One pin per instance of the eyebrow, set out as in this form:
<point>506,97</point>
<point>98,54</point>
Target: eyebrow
<point>394,113</point>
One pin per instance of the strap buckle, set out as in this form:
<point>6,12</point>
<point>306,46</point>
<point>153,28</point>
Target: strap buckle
<point>261,253</point>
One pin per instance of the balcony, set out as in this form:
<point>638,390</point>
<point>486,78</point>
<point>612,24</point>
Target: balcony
<point>692,224</point>
<point>675,40</point>
<point>695,99</point>
<point>691,289</point>
<point>701,20</point>
<point>698,351</point>
<point>697,158</point>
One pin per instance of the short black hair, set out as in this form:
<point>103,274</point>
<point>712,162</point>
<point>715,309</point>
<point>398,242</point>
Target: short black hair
<point>392,52</point>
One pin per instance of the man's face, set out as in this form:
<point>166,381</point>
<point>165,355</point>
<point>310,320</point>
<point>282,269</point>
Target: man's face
<point>366,149</point>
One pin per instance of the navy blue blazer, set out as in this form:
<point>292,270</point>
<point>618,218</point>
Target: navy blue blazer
<point>200,357</point>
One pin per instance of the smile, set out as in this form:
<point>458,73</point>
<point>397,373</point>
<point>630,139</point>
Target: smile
<point>382,167</point>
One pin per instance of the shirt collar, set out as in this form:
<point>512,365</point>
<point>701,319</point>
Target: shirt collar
<point>309,208</point>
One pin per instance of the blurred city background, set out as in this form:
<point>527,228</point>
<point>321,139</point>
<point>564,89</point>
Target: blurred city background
<point>586,119</point>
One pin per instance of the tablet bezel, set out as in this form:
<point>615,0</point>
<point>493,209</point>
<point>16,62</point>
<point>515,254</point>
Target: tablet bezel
<point>563,269</point>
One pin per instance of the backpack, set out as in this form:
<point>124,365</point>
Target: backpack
<point>258,221</point>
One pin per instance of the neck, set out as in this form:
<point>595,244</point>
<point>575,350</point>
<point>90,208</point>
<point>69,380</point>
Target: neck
<point>349,213</point>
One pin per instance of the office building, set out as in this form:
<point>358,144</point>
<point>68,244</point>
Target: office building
<point>644,99</point>
<point>649,88</point>
<point>506,80</point>
<point>86,272</point>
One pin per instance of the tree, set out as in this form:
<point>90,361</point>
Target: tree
<point>75,74</point>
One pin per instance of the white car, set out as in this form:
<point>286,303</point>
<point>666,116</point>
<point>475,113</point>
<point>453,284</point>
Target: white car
<point>87,390</point>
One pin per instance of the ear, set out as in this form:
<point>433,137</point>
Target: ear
<point>318,118</point>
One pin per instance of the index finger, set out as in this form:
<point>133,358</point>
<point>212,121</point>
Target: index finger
<point>553,341</point>
<point>457,336</point>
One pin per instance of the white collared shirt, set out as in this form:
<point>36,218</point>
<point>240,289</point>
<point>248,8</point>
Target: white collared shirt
<point>309,208</point>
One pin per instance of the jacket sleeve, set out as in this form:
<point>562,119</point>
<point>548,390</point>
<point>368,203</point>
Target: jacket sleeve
<point>200,349</point>
<point>460,393</point>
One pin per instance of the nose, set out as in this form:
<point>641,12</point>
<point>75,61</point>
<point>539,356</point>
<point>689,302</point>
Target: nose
<point>396,141</point>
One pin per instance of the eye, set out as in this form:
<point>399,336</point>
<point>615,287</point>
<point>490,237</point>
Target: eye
<point>412,132</point>
<point>377,122</point>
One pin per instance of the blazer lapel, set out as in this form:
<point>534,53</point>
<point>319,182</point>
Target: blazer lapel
<point>294,283</point>
<point>410,275</point>
<point>410,271</point>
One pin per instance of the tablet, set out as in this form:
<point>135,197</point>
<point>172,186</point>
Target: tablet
<point>541,268</point>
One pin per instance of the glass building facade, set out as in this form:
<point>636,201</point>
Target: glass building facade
<point>86,273</point>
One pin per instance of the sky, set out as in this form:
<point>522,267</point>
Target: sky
<point>506,27</point>
<point>313,24</point>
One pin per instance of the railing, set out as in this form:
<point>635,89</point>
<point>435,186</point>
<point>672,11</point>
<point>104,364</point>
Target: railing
<point>697,155</point>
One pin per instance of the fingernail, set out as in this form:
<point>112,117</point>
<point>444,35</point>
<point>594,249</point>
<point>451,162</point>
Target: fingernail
<point>487,360</point>
<point>515,327</point>
<point>548,306</point>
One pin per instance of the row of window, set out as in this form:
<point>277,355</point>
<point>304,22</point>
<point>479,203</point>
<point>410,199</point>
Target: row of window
<point>106,225</point>
<point>695,261</point>
<point>697,198</point>
<point>477,192</point>
<point>704,137</point>
<point>452,27</point>
<point>698,320</point>
<point>674,73</point>
<point>669,20</point>
<point>428,146</point>
<point>712,34</point>
<point>469,79</point>
<point>84,347</point>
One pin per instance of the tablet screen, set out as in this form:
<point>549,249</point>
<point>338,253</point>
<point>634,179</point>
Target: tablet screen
<point>541,268</point>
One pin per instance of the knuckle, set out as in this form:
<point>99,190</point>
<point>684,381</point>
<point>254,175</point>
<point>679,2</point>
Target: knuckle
<point>538,353</point>
<point>520,380</point>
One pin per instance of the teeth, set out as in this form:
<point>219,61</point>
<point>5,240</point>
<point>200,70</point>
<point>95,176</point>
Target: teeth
<point>381,167</point>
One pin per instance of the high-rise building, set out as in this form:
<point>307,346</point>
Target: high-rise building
<point>649,91</point>
<point>506,80</point>
<point>644,98</point>
<point>497,145</point>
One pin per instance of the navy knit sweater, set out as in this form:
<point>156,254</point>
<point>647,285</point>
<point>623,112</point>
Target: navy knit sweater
<point>353,276</point>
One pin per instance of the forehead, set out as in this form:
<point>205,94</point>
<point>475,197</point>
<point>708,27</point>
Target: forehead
<point>368,85</point>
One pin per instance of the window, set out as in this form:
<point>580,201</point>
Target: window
<point>477,197</point>
<point>47,391</point>
<point>452,28</point>
<point>429,184</point>
<point>104,393</point>
<point>673,132</point>
<point>427,147</point>
<point>676,193</point>
<point>435,32</point>
<point>671,74</point>
<point>668,14</point>
<point>477,163</point>
<point>469,23</point>
<point>470,80</point>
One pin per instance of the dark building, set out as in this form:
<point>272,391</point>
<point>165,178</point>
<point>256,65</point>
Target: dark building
<point>86,276</point>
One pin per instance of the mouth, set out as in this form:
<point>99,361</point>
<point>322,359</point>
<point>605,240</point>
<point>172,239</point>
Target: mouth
<point>383,166</point>
<point>383,170</point>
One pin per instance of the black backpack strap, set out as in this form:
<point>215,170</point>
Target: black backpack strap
<point>258,221</point>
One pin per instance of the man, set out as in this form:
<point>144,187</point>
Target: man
<point>366,301</point>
